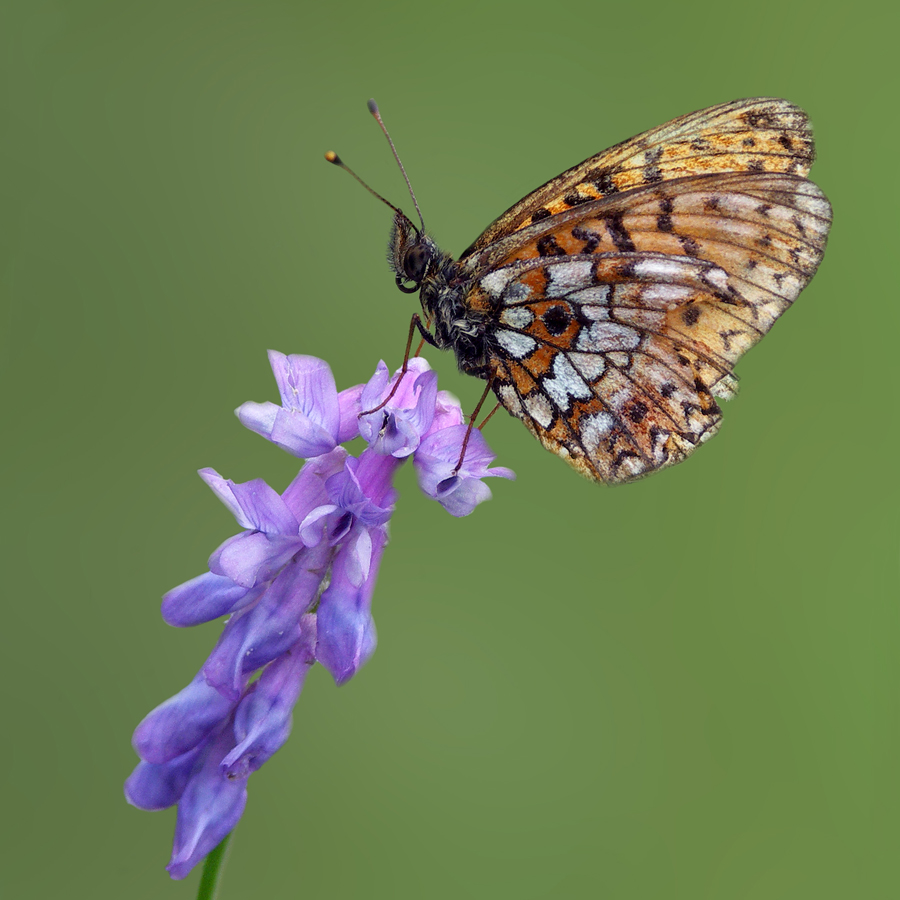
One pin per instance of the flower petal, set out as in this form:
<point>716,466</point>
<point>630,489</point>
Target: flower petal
<point>349,403</point>
<point>306,385</point>
<point>364,487</point>
<point>308,422</point>
<point>346,631</point>
<point>210,807</point>
<point>251,557</point>
<point>154,787</point>
<point>447,412</point>
<point>270,628</point>
<point>221,487</point>
<point>258,417</point>
<point>262,721</point>
<point>203,599</point>
<point>307,491</point>
<point>436,459</point>
<point>397,427</point>
<point>254,504</point>
<point>181,722</point>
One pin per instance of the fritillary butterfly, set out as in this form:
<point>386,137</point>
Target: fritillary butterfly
<point>607,308</point>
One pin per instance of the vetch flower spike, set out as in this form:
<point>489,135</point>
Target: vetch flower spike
<point>296,583</point>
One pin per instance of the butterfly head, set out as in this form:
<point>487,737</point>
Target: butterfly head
<point>411,254</point>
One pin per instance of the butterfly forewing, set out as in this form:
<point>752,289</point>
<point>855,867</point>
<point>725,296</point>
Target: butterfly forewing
<point>756,135</point>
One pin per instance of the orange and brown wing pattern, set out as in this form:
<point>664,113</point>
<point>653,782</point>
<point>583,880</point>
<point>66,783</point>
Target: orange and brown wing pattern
<point>760,135</point>
<point>766,233</point>
<point>615,325</point>
<point>583,355</point>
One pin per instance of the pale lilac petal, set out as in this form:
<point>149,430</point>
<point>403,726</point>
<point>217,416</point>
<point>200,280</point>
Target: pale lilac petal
<point>264,507</point>
<point>258,417</point>
<point>349,403</point>
<point>301,436</point>
<point>222,489</point>
<point>262,721</point>
<point>308,422</point>
<point>254,504</point>
<point>436,459</point>
<point>307,386</point>
<point>396,428</point>
<point>264,632</point>
<point>203,599</point>
<point>460,496</point>
<point>181,722</point>
<point>307,490</point>
<point>364,487</point>
<point>154,787</point>
<point>360,557</point>
<point>376,388</point>
<point>346,631</point>
<point>329,523</point>
<point>447,412</point>
<point>210,807</point>
<point>251,558</point>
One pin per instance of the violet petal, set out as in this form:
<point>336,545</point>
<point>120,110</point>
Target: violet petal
<point>307,490</point>
<point>397,427</point>
<point>253,557</point>
<point>308,422</point>
<point>436,459</point>
<point>364,487</point>
<point>263,633</point>
<point>349,404</point>
<point>254,504</point>
<point>181,722</point>
<point>154,787</point>
<point>203,599</point>
<point>262,721</point>
<point>210,807</point>
<point>346,631</point>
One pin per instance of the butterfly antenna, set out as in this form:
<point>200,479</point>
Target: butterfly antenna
<point>335,160</point>
<point>373,108</point>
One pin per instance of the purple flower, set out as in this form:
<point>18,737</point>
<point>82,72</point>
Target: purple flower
<point>313,418</point>
<point>459,492</point>
<point>296,582</point>
<point>397,427</point>
<point>211,805</point>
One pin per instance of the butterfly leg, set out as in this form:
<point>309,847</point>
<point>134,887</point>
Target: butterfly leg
<point>415,322</point>
<point>472,418</point>
<point>490,415</point>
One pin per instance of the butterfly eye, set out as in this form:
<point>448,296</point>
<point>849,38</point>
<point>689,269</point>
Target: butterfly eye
<point>415,263</point>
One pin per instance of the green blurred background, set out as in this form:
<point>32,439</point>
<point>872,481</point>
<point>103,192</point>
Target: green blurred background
<point>682,688</point>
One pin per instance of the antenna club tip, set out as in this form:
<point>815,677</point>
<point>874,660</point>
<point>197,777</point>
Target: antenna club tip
<point>373,107</point>
<point>332,157</point>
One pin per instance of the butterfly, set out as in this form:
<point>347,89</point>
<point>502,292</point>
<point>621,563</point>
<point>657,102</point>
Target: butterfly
<point>607,308</point>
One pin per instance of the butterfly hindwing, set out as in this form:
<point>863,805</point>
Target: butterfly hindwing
<point>583,357</point>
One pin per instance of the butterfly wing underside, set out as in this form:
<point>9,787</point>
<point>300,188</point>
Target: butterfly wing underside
<point>615,321</point>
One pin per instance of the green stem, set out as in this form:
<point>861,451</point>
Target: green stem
<point>212,870</point>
